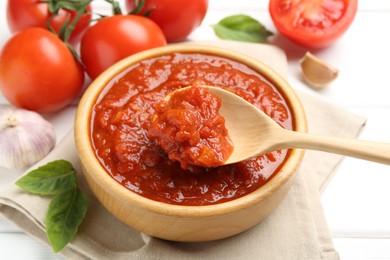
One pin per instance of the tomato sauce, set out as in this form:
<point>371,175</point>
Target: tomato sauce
<point>188,127</point>
<point>124,113</point>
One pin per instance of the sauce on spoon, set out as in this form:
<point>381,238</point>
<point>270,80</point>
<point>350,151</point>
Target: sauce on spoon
<point>188,127</point>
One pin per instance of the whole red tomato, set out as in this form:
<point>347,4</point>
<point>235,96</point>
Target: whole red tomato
<point>313,24</point>
<point>38,72</point>
<point>176,18</point>
<point>28,13</point>
<point>114,38</point>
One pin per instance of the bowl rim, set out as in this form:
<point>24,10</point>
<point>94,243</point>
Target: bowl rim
<point>87,155</point>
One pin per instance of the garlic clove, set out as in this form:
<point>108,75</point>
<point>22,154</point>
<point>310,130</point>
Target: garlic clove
<point>25,137</point>
<point>317,73</point>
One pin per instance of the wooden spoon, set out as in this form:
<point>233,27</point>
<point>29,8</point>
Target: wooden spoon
<point>254,133</point>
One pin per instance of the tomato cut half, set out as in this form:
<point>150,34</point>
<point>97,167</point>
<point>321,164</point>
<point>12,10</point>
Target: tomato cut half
<point>312,23</point>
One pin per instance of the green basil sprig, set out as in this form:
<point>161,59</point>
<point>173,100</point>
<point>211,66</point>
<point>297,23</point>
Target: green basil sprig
<point>69,204</point>
<point>241,27</point>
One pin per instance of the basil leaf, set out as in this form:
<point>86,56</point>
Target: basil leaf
<point>66,212</point>
<point>69,205</point>
<point>241,28</point>
<point>49,179</point>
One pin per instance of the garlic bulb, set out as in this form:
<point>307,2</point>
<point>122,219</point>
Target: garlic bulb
<point>25,137</point>
<point>316,72</point>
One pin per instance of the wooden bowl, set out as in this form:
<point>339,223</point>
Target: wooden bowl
<point>175,222</point>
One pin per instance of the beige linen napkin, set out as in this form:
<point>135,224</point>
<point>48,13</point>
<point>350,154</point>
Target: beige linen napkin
<point>295,230</point>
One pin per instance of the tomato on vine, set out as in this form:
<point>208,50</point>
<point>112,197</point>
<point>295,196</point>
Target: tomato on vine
<point>176,18</point>
<point>38,72</point>
<point>39,13</point>
<point>116,37</point>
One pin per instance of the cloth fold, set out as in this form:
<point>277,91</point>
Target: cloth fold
<point>297,229</point>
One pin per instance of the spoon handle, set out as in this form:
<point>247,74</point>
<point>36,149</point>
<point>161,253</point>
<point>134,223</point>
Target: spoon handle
<point>367,150</point>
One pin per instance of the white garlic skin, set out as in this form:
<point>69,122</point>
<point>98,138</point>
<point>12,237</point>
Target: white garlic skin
<point>25,138</point>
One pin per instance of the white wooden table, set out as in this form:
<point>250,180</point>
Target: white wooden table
<point>356,202</point>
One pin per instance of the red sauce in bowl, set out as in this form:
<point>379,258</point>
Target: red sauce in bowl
<point>124,113</point>
<point>187,125</point>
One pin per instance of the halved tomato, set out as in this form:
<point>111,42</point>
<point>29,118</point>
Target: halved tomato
<point>312,23</point>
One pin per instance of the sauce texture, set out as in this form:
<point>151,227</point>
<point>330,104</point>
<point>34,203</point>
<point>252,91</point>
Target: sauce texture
<point>124,113</point>
<point>187,125</point>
